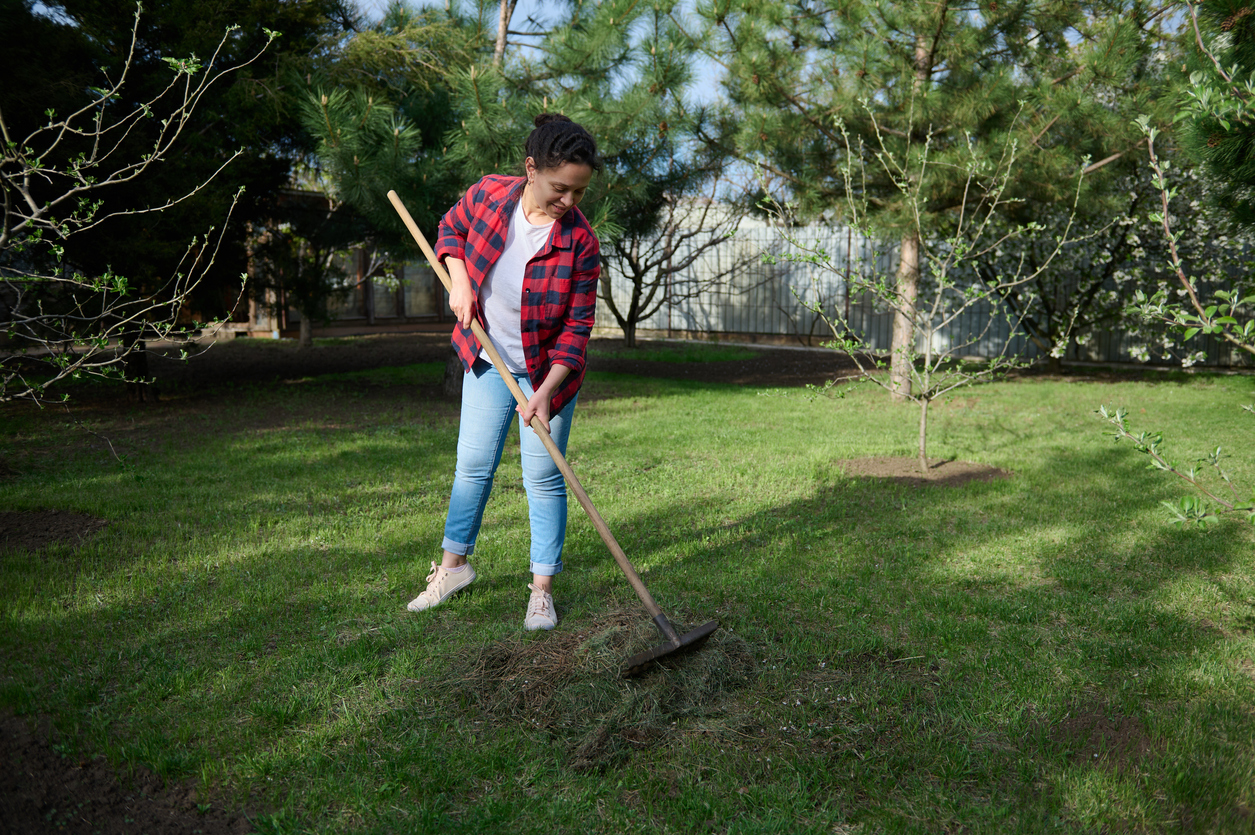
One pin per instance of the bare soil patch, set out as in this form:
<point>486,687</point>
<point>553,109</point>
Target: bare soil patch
<point>46,791</point>
<point>905,470</point>
<point>1096,734</point>
<point>228,364</point>
<point>771,366</point>
<point>33,530</point>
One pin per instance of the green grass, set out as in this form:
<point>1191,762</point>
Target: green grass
<point>1041,653</point>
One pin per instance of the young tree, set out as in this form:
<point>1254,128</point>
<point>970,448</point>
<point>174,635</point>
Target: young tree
<point>249,112</point>
<point>1216,116</point>
<point>63,57</point>
<point>894,74</point>
<point>948,309</point>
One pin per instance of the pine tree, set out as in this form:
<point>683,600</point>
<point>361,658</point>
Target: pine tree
<point>624,70</point>
<point>378,109</point>
<point>1219,131</point>
<point>903,80</point>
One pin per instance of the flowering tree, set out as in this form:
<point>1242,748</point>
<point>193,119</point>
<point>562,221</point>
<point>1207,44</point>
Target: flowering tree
<point>1085,293</point>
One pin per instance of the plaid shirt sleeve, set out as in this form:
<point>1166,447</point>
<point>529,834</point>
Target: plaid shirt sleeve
<point>474,231</point>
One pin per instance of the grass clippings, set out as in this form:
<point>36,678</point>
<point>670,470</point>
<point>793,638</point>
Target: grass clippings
<point>567,684</point>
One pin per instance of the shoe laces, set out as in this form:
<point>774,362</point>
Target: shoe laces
<point>538,604</point>
<point>429,592</point>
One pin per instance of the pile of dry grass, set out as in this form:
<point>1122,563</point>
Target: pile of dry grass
<point>567,682</point>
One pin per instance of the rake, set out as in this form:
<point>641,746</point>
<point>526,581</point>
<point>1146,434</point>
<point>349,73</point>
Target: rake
<point>673,642</point>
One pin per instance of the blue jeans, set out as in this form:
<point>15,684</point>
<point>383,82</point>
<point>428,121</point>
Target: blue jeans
<point>487,412</point>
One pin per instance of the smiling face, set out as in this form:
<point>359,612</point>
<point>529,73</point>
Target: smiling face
<point>552,192</point>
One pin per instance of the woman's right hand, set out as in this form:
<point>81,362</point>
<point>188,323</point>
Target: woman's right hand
<point>461,296</point>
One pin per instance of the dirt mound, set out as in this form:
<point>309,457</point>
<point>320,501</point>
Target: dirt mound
<point>941,472</point>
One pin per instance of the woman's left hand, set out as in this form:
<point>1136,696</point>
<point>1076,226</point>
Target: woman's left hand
<point>538,406</point>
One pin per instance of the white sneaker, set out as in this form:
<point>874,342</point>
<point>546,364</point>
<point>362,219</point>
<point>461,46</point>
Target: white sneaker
<point>540,611</point>
<point>441,585</point>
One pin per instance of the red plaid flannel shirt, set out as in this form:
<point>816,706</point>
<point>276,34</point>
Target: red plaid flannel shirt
<point>559,287</point>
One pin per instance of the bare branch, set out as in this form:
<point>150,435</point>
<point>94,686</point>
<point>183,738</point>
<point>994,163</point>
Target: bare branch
<point>61,322</point>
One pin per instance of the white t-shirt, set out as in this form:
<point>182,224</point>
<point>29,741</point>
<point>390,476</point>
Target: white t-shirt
<point>501,294</point>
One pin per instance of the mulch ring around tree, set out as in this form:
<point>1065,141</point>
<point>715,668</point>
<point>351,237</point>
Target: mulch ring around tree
<point>906,470</point>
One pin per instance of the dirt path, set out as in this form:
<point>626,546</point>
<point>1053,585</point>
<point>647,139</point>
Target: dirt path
<point>772,366</point>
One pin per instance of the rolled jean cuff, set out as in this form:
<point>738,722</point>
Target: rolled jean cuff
<point>460,548</point>
<point>546,569</point>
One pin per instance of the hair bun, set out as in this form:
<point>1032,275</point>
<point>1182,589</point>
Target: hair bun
<point>546,118</point>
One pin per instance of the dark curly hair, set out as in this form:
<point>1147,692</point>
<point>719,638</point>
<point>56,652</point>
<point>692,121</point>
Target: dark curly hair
<point>557,140</point>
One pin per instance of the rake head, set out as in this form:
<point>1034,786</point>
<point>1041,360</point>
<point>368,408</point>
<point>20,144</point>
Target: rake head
<point>644,661</point>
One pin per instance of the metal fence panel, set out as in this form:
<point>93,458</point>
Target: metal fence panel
<point>779,298</point>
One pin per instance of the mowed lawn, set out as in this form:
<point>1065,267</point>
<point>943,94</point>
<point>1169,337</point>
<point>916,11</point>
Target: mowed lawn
<point>1039,653</point>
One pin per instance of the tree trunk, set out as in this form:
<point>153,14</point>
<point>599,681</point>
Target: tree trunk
<point>453,375</point>
<point>629,334</point>
<point>903,348</point>
<point>306,339</point>
<point>907,290</point>
<point>923,435</point>
<point>503,25</point>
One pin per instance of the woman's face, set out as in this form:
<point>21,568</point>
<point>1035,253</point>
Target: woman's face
<point>557,190</point>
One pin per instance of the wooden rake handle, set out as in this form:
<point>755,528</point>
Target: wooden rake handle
<point>539,428</point>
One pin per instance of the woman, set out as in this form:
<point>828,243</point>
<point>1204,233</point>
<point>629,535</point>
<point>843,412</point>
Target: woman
<point>523,261</point>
